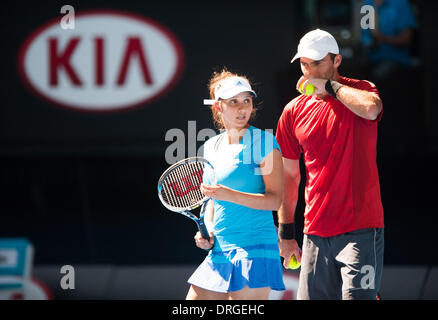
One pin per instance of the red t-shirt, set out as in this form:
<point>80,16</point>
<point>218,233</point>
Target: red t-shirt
<point>342,191</point>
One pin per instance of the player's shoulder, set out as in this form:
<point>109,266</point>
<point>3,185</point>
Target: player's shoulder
<point>295,104</point>
<point>262,142</point>
<point>258,133</point>
<point>358,84</point>
<point>211,142</point>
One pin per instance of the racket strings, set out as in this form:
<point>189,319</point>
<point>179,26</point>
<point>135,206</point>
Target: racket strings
<point>181,188</point>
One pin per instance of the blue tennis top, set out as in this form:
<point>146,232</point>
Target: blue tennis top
<point>237,166</point>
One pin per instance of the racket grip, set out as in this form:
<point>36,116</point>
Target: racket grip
<point>203,229</point>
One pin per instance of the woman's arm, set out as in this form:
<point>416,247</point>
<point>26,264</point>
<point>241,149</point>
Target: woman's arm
<point>209,215</point>
<point>272,171</point>
<point>208,220</point>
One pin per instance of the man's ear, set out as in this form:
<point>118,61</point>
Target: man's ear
<point>337,61</point>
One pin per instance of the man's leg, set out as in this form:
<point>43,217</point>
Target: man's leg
<point>319,277</point>
<point>360,258</point>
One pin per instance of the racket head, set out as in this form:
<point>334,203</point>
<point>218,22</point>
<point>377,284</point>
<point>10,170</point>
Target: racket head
<point>179,187</point>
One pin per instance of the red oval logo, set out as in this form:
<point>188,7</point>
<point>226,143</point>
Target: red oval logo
<point>111,61</point>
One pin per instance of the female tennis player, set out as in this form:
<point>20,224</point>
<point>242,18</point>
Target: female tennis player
<point>244,260</point>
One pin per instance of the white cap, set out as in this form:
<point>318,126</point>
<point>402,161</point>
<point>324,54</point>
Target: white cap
<point>316,44</point>
<point>229,87</point>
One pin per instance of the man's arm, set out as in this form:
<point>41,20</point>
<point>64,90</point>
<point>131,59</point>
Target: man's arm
<point>363,103</point>
<point>291,182</point>
<point>288,245</point>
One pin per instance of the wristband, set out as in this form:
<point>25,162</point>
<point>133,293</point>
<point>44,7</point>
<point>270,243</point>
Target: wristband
<point>286,231</point>
<point>332,87</point>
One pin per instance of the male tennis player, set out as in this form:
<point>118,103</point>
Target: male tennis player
<point>335,129</point>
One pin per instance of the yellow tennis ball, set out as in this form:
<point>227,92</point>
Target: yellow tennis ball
<point>310,89</point>
<point>293,263</point>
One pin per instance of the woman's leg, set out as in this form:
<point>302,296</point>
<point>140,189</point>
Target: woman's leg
<point>248,293</point>
<point>197,293</point>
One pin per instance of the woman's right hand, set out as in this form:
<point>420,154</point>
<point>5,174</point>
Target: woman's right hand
<point>204,243</point>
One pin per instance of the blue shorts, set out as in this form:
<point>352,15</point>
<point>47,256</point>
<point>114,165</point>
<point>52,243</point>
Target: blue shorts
<point>257,266</point>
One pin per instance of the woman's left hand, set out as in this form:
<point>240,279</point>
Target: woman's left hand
<point>217,191</point>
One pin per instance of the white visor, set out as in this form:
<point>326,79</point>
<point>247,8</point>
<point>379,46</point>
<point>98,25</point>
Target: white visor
<point>229,88</point>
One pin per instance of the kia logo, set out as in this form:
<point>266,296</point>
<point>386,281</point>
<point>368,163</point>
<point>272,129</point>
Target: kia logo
<point>111,61</point>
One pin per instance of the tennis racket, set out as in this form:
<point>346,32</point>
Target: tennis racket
<point>179,189</point>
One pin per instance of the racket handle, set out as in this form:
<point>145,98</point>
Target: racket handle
<point>201,225</point>
<point>203,229</point>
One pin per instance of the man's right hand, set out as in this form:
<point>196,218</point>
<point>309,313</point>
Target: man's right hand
<point>287,249</point>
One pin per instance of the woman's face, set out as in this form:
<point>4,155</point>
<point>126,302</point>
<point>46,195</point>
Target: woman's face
<point>236,111</point>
